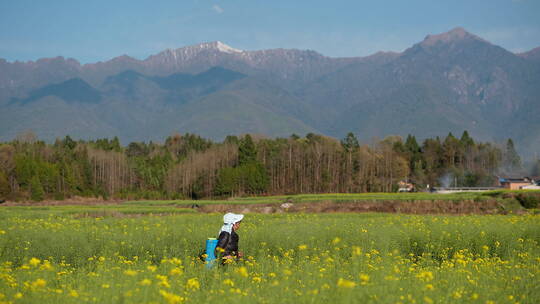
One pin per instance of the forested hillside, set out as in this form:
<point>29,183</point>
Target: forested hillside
<point>189,166</point>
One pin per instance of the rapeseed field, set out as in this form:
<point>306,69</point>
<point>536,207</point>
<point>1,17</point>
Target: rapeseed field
<point>49,256</point>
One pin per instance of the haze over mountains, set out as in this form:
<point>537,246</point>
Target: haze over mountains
<point>449,82</point>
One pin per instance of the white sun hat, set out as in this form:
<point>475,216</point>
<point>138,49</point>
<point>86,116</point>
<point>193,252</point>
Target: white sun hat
<point>229,220</point>
<point>232,218</point>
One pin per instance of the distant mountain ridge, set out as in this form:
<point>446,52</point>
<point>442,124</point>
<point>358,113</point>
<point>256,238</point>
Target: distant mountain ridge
<point>448,82</point>
<point>72,90</point>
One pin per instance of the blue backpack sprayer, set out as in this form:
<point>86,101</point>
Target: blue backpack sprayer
<point>210,259</point>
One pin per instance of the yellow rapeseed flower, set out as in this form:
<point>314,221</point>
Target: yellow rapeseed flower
<point>34,262</point>
<point>145,282</point>
<point>356,250</point>
<point>39,283</point>
<point>302,247</point>
<point>242,271</point>
<point>171,298</point>
<point>130,272</point>
<point>163,280</point>
<point>364,278</point>
<point>193,283</point>
<point>425,276</point>
<point>175,271</point>
<point>46,265</point>
<point>345,283</point>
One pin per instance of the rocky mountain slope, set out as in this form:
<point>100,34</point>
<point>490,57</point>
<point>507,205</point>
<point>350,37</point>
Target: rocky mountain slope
<point>448,82</point>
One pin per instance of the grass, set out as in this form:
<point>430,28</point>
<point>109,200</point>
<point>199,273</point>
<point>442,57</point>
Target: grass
<point>52,255</point>
<point>343,197</point>
<point>499,201</point>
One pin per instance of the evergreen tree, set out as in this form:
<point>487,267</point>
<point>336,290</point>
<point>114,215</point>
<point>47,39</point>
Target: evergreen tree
<point>247,152</point>
<point>512,161</point>
<point>115,144</point>
<point>452,151</point>
<point>411,145</point>
<point>350,142</point>
<point>36,189</point>
<point>69,143</point>
<point>466,140</point>
<point>414,154</point>
<point>25,168</point>
<point>227,181</point>
<point>254,178</point>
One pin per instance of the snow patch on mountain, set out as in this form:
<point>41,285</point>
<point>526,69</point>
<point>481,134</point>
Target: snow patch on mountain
<point>222,47</point>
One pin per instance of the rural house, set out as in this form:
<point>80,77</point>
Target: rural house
<point>516,183</point>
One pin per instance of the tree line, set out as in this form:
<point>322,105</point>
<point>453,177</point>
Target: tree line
<point>189,166</point>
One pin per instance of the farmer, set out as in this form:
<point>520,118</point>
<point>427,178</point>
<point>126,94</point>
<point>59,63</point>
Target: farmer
<point>227,246</point>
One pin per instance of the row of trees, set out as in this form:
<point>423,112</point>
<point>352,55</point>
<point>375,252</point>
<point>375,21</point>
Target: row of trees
<point>188,166</point>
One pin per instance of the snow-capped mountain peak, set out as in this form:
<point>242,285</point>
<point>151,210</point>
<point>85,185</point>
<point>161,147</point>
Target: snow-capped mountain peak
<point>215,45</point>
<point>222,47</point>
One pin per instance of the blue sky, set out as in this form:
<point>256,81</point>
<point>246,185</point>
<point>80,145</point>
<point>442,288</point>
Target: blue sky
<point>96,30</point>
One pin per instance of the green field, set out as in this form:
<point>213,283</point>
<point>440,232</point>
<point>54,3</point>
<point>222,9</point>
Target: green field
<point>58,255</point>
<point>163,207</point>
<point>347,197</point>
<point>343,197</point>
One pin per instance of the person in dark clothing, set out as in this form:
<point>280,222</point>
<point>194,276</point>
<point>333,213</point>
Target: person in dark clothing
<point>227,246</point>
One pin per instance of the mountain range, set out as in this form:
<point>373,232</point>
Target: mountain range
<point>448,82</point>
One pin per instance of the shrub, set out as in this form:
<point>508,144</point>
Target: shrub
<point>494,193</point>
<point>528,201</point>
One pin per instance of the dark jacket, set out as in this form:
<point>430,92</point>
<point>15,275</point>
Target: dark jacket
<point>229,243</point>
